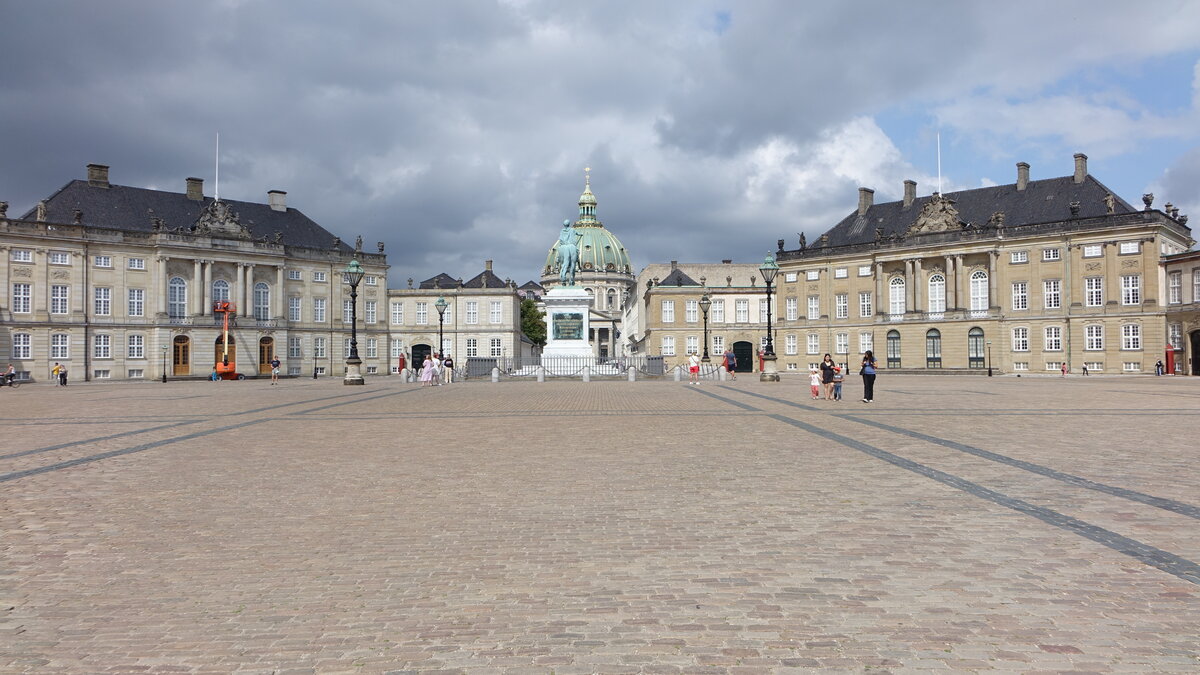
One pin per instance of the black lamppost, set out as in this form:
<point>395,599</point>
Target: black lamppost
<point>441,305</point>
<point>705,303</point>
<point>165,363</point>
<point>989,346</point>
<point>352,275</point>
<point>769,372</point>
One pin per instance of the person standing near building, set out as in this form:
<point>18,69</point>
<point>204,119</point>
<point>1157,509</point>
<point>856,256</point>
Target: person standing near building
<point>448,370</point>
<point>837,383</point>
<point>1158,367</point>
<point>1085,372</point>
<point>731,363</point>
<point>275,370</point>
<point>868,376</point>
<point>54,373</point>
<point>693,362</point>
<point>827,370</point>
<point>427,371</point>
<point>62,376</point>
<point>1064,368</point>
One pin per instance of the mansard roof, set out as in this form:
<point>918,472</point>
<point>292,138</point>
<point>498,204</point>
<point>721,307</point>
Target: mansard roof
<point>678,278</point>
<point>442,280</point>
<point>121,207</point>
<point>485,279</point>
<point>531,286</point>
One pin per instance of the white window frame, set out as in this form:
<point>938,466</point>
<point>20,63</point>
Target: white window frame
<point>741,310</point>
<point>295,308</point>
<point>668,311</point>
<point>865,304</point>
<point>397,313</point>
<point>667,345</point>
<point>1175,335</point>
<point>1050,254</point>
<point>1093,251</point>
<point>60,346</point>
<point>60,299</point>
<point>497,348</point>
<point>220,290</point>
<point>1020,339</point>
<point>472,347</point>
<point>762,310</point>
<point>791,344</point>
<point>102,301</point>
<point>102,346</point>
<point>841,343</point>
<point>1052,293</point>
<point>347,310</point>
<point>372,348</point>
<point>866,342</point>
<point>1175,288</point>
<point>422,313</point>
<point>262,301</point>
<point>472,317</point>
<point>319,310</point>
<point>318,276</point>
<point>1020,295</point>
<point>841,272</point>
<point>814,308</point>
<point>937,294</point>
<point>1131,289</point>
<point>319,347</point>
<point>24,255</point>
<point>1052,339</point>
<point>813,343</point>
<point>135,301</point>
<point>295,348</point>
<point>22,346</point>
<point>718,344</point>
<point>177,298</point>
<point>136,263</point>
<point>691,311</point>
<point>841,305</point>
<point>693,344</point>
<point>103,261</point>
<point>979,291</point>
<point>716,313</point>
<point>1131,337</point>
<point>864,271</point>
<point>1129,247</point>
<point>22,298</point>
<point>370,280</point>
<point>812,275</point>
<point>371,311</point>
<point>295,275</point>
<point>496,312</point>
<point>58,258</point>
<point>897,301</point>
<point>1093,291</point>
<point>1018,257</point>
<point>1093,337</point>
<point>135,345</point>
<point>791,308</point>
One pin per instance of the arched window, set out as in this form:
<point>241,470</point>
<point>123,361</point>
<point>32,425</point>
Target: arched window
<point>177,298</point>
<point>896,287</point>
<point>975,348</point>
<point>937,294</point>
<point>220,290</point>
<point>933,348</point>
<point>893,349</point>
<point>979,291</point>
<point>262,301</point>
<point>612,300</point>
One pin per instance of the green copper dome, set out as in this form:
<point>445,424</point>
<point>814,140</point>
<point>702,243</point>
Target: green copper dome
<point>599,249</point>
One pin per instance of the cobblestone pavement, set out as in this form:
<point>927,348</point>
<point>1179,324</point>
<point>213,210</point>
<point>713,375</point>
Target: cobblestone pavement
<point>955,524</point>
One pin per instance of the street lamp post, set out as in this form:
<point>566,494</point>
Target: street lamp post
<point>770,372</point>
<point>989,346</point>
<point>705,303</point>
<point>352,275</point>
<point>164,362</point>
<point>441,306</point>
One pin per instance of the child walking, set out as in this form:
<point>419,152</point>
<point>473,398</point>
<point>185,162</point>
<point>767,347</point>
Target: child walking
<point>837,383</point>
<point>814,381</point>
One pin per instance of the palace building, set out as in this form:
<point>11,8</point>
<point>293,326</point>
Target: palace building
<point>1022,277</point>
<point>121,282</point>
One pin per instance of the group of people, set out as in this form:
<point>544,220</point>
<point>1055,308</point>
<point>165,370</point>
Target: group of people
<point>437,370</point>
<point>826,379</point>
<point>58,373</point>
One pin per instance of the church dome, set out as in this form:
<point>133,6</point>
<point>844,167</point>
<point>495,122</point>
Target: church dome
<point>599,249</point>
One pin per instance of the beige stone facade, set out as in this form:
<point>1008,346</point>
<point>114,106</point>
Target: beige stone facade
<point>1181,274</point>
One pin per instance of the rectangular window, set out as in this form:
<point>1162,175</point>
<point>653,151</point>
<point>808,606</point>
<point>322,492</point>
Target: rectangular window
<point>1053,339</point>
<point>762,310</point>
<point>103,304</point>
<point>1132,366</point>
<point>693,344</point>
<point>294,309</point>
<point>372,348</point>
<point>1131,336</point>
<point>22,299</point>
<point>691,311</point>
<point>136,263</point>
<point>814,343</point>
<point>137,347</point>
<point>1049,254</point>
<point>841,343</point>
<point>319,371</point>
<point>347,310</point>
<point>866,342</point>
<point>1054,366</point>
<point>422,313</point>
<point>295,275</point>
<point>59,258</point>
<point>791,307</point>
<point>60,346</point>
<point>1128,247</point>
<point>1093,291</point>
<point>864,304</point>
<point>1175,335</point>
<point>22,345</point>
<point>1020,339</point>
<point>137,301</point>
<point>790,277</point>
<point>668,311</point>
<point>370,308</point>
<point>1017,257</point>
<point>103,374</point>
<point>346,348</point>
<point>742,311</point>
<point>1195,285</point>
<point>496,314</point>
<point>717,313</point>
<point>1094,366</point>
<point>1020,295</point>
<point>295,347</point>
<point>1175,288</point>
<point>841,273</point>
<point>135,373</point>
<point>1093,338</point>
<point>1131,290</point>
<point>791,345</point>
<point>497,350</point>
<point>102,346</point>
<point>318,276</point>
<point>293,370</point>
<point>668,345</point>
<point>397,313</point>
<point>319,310</point>
<point>58,299</point>
<point>864,270</point>
<point>21,255</point>
<point>718,344</point>
<point>1020,365</point>
<point>1093,251</point>
<point>103,261</point>
<point>841,304</point>
<point>1052,293</point>
<point>371,280</point>
<point>812,275</point>
<point>472,347</point>
<point>472,312</point>
<point>814,307</point>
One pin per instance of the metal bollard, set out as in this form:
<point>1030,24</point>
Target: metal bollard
<point>587,374</point>
<point>495,374</point>
<point>632,374</point>
<point>541,373</point>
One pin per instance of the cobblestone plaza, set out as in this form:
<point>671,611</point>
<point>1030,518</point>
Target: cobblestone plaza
<point>957,524</point>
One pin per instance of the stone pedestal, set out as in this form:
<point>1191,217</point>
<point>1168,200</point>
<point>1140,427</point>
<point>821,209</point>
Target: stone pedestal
<point>567,324</point>
<point>353,372</point>
<point>770,371</point>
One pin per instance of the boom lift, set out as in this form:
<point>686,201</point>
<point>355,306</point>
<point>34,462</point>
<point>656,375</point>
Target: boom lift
<point>226,367</point>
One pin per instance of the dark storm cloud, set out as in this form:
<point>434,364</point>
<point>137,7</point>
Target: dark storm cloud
<point>457,131</point>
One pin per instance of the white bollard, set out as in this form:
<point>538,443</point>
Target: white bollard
<point>541,373</point>
<point>587,374</point>
<point>495,374</point>
<point>678,374</point>
<point>722,373</point>
<point>632,374</point>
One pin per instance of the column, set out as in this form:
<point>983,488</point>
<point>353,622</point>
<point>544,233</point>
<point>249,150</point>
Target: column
<point>279,299</point>
<point>248,299</point>
<point>918,284</point>
<point>951,295</point>
<point>993,301</point>
<point>206,309</point>
<point>880,307</point>
<point>910,286</point>
<point>239,291</point>
<point>960,280</point>
<point>164,285</point>
<point>197,294</point>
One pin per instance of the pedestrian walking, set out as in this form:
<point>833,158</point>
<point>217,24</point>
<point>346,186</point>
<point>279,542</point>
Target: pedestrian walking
<point>62,376</point>
<point>868,376</point>
<point>731,363</point>
<point>1064,368</point>
<point>827,370</point>
<point>1085,372</point>
<point>427,371</point>
<point>814,383</point>
<point>693,362</point>
<point>275,370</point>
<point>54,373</point>
<point>1158,367</point>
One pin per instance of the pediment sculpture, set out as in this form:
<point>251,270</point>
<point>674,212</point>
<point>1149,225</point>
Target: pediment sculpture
<point>219,219</point>
<point>938,215</point>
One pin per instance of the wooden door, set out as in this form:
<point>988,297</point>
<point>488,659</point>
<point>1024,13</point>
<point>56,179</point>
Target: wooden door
<point>181,360</point>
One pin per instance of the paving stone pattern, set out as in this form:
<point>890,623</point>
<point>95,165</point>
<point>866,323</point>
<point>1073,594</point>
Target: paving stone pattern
<point>953,525</point>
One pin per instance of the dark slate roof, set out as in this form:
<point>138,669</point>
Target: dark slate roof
<point>678,278</point>
<point>128,208</point>
<point>477,281</point>
<point>442,280</point>
<point>531,286</point>
<point>1041,201</point>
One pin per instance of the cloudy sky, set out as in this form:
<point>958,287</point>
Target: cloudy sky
<point>458,131</point>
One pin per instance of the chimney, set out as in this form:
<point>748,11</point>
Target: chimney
<point>866,197</point>
<point>674,265</point>
<point>195,189</point>
<point>1080,167</point>
<point>1022,175</point>
<point>97,175</point>
<point>910,192</point>
<point>487,265</point>
<point>277,199</point>
<point>727,261</point>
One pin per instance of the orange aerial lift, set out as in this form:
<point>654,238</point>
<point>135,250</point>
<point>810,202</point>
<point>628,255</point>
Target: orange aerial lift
<point>226,368</point>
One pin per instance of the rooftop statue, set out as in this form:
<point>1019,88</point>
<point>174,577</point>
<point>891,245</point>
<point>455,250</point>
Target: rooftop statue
<point>568,254</point>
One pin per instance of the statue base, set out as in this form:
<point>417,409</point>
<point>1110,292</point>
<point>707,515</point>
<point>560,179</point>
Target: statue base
<point>567,328</point>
